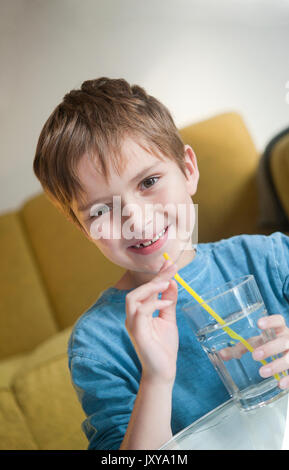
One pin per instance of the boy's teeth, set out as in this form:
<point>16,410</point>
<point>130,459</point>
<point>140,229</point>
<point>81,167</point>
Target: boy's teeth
<point>141,245</point>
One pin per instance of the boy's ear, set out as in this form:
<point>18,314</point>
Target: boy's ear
<point>192,171</point>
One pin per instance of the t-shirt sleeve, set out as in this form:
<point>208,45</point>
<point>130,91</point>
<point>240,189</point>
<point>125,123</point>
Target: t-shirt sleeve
<point>281,253</point>
<point>107,398</point>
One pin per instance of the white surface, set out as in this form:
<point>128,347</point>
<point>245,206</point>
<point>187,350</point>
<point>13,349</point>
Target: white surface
<point>228,428</point>
<point>200,57</point>
<point>285,443</point>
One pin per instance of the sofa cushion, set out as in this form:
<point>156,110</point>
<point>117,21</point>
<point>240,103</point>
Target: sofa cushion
<point>26,316</point>
<point>276,157</point>
<point>227,189</point>
<point>73,269</point>
<point>43,389</point>
<point>9,367</point>
<point>14,432</point>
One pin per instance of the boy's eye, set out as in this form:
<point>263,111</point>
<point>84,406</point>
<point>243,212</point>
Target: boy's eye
<point>149,180</point>
<point>99,212</point>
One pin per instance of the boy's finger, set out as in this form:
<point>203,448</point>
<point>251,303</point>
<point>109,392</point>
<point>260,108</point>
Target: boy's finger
<point>275,367</point>
<point>149,308</point>
<point>272,321</point>
<point>138,320</point>
<point>167,271</point>
<point>233,352</point>
<point>276,346</point>
<point>158,284</point>
<point>165,264</point>
<point>169,314</point>
<point>142,292</point>
<point>135,307</point>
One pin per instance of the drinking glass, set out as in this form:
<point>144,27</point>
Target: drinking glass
<point>240,305</point>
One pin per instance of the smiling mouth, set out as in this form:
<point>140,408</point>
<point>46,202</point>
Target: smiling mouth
<point>152,241</point>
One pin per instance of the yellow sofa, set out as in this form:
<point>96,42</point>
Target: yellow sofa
<point>50,274</point>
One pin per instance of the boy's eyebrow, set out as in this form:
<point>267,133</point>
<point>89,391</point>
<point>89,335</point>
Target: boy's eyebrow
<point>101,199</point>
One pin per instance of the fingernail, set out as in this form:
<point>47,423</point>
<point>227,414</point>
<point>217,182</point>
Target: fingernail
<point>283,383</point>
<point>168,264</point>
<point>165,264</point>
<point>164,284</point>
<point>258,354</point>
<point>172,264</point>
<point>262,322</point>
<point>265,371</point>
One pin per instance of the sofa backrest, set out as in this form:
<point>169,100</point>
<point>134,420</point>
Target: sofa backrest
<point>26,314</point>
<point>227,194</point>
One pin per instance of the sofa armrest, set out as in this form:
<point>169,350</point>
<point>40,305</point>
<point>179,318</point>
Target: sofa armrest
<point>273,184</point>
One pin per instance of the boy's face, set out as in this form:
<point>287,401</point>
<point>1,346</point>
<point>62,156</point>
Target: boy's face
<point>149,196</point>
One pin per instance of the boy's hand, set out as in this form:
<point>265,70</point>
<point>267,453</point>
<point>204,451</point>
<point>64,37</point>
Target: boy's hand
<point>278,345</point>
<point>155,339</point>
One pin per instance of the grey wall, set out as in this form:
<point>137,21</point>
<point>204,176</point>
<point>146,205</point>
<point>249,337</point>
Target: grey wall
<point>200,57</point>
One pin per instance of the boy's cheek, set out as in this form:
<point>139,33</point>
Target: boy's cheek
<point>185,221</point>
<point>101,231</point>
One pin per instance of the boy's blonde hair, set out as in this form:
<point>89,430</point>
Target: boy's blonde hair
<point>94,121</point>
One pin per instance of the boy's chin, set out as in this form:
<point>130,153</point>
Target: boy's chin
<point>176,252</point>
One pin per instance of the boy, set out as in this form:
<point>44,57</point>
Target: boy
<point>139,372</point>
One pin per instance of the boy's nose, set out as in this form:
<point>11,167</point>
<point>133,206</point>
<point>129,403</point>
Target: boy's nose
<point>141,232</point>
<point>138,219</point>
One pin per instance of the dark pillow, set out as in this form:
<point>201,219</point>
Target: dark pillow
<point>271,191</point>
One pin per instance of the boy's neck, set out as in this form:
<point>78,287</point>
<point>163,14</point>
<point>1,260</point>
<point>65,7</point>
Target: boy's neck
<point>134,279</point>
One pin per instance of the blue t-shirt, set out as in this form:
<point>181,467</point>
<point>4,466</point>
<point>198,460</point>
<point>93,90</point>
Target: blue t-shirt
<point>105,368</point>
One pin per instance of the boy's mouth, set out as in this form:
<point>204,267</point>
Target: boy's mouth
<point>149,246</point>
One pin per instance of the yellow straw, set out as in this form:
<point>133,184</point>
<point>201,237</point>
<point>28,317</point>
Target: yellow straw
<point>220,320</point>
